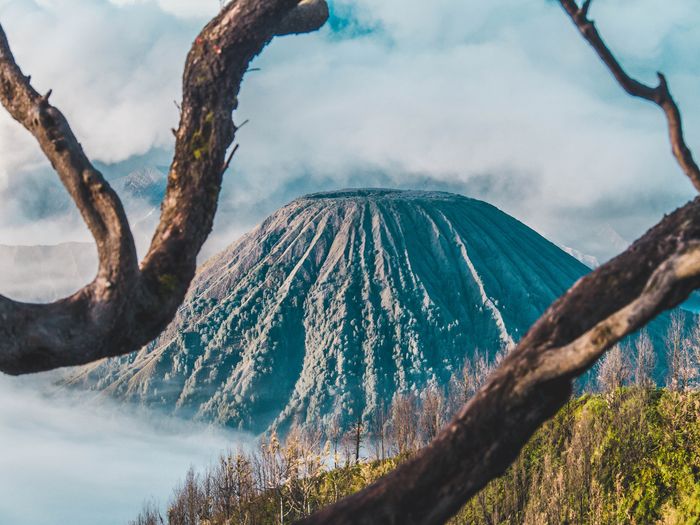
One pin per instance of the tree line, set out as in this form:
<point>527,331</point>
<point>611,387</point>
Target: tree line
<point>562,476</point>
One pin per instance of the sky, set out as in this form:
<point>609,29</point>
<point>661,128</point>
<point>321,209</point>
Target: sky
<point>501,101</point>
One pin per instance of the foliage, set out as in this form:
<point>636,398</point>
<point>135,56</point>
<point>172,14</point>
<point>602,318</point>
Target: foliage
<point>631,455</point>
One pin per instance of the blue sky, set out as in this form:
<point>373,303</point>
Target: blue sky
<point>498,100</point>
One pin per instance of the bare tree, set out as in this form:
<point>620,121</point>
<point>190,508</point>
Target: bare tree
<point>355,434</point>
<point>680,353</point>
<point>404,422</point>
<point>613,370</point>
<point>128,304</point>
<point>185,509</point>
<point>456,395</point>
<point>687,366</point>
<point>674,344</point>
<point>431,414</point>
<point>693,342</point>
<point>232,487</point>
<point>378,424</point>
<point>644,360</point>
<point>273,470</point>
<point>334,434</point>
<point>149,515</point>
<point>303,463</point>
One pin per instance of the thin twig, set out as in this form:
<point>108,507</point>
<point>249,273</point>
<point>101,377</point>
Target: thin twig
<point>659,95</point>
<point>228,160</point>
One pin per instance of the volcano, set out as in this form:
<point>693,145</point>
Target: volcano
<point>337,301</point>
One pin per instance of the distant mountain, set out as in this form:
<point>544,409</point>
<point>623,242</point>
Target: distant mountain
<point>145,184</point>
<point>141,192</point>
<point>45,273</point>
<point>589,260</point>
<point>337,301</point>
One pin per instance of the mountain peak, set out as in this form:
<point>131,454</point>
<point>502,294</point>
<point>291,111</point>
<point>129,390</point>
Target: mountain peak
<point>339,300</point>
<point>380,194</point>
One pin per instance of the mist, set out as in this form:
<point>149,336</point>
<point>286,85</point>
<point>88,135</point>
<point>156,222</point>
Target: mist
<point>68,458</point>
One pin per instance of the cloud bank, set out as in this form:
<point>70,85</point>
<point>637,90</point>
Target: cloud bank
<point>500,101</point>
<point>496,100</point>
<point>68,460</point>
<point>504,102</point>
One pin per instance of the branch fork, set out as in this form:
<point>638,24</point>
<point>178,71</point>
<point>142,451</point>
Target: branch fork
<point>128,304</point>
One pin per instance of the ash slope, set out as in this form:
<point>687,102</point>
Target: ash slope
<point>338,300</point>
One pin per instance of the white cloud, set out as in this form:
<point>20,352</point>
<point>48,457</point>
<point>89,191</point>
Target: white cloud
<point>467,90</point>
<point>503,100</point>
<point>500,100</point>
<point>197,9</point>
<point>114,71</point>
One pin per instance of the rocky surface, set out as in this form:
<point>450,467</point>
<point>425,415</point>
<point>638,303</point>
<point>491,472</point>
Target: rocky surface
<point>338,300</point>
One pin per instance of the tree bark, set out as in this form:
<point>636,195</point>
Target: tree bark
<point>128,305</point>
<point>656,273</point>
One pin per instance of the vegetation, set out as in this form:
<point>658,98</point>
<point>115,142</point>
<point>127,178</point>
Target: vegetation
<point>130,303</point>
<point>627,456</point>
<point>627,453</point>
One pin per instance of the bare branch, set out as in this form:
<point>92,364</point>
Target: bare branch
<point>106,319</point>
<point>535,380</point>
<point>659,95</point>
<point>230,158</point>
<point>127,305</point>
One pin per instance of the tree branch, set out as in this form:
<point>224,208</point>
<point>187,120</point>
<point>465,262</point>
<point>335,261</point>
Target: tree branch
<point>111,318</point>
<point>535,380</point>
<point>307,17</point>
<point>656,273</point>
<point>659,95</point>
<point>127,305</point>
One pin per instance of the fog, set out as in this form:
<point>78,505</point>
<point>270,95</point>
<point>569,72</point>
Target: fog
<point>67,459</point>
